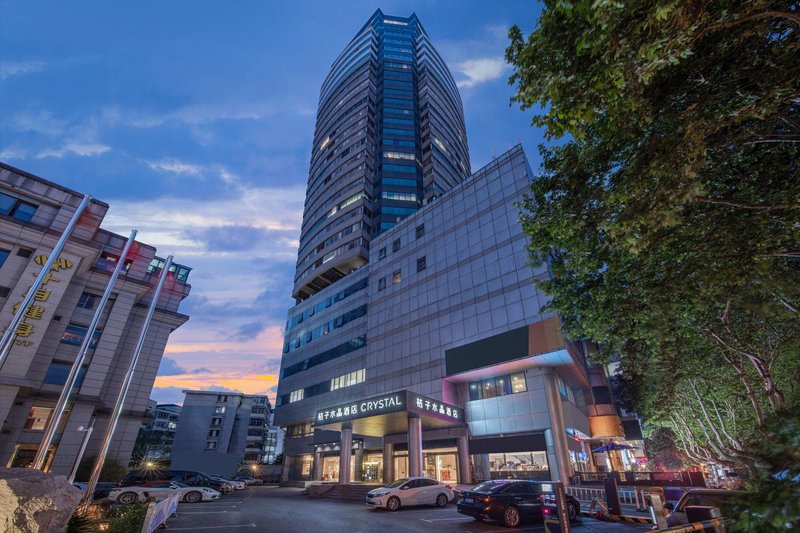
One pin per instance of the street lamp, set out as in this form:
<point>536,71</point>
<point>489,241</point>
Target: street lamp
<point>88,433</point>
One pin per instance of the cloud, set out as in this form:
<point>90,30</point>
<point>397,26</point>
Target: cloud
<point>240,238</point>
<point>167,395</point>
<point>175,167</point>
<point>83,150</point>
<point>478,71</point>
<point>169,367</point>
<point>201,370</point>
<point>9,70</point>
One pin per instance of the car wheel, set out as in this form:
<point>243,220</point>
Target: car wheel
<point>441,500</point>
<point>393,503</point>
<point>572,511</point>
<point>127,497</point>
<point>193,497</point>
<point>511,517</point>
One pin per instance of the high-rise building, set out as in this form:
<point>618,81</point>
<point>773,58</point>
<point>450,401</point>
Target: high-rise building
<point>220,423</point>
<point>390,137</point>
<point>33,215</point>
<point>430,354</point>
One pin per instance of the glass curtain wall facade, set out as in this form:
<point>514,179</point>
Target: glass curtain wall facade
<point>390,137</point>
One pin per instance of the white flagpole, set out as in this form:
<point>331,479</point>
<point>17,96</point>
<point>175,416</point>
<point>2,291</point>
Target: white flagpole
<point>123,392</point>
<point>11,333</point>
<point>55,418</point>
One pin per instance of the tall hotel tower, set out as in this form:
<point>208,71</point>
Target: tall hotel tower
<point>417,345</point>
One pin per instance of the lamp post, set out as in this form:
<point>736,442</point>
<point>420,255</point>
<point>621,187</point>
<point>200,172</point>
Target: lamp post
<point>88,433</point>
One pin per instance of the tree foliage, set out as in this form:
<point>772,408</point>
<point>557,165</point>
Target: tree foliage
<point>668,207</point>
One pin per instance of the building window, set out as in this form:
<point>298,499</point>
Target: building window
<point>220,409</point>
<point>17,208</point>
<point>211,445</point>
<point>213,433</point>
<point>299,430</point>
<point>498,386</point>
<point>5,291</point>
<point>420,231</point>
<point>222,398</point>
<point>58,372</point>
<point>74,335</point>
<point>37,418</point>
<point>296,395</point>
<point>3,256</point>
<point>421,264</point>
<point>395,245</point>
<point>564,390</point>
<point>24,252</point>
<point>397,277</point>
<point>382,253</point>
<point>519,465</point>
<point>353,378</point>
<point>87,300</point>
<point>216,422</point>
<point>381,284</point>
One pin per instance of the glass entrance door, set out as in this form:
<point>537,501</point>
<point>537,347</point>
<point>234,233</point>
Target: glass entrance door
<point>441,466</point>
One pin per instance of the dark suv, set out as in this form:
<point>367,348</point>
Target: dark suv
<point>509,500</point>
<point>189,477</point>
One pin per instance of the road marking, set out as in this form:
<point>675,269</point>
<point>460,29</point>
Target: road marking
<point>203,512</point>
<point>432,520</point>
<point>209,527</point>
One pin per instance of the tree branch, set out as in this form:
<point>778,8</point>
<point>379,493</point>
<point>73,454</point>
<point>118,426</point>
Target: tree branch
<point>746,205</point>
<point>792,17</point>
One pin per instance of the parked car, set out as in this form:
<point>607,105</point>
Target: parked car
<point>721,498</point>
<point>189,477</point>
<point>410,491</point>
<point>101,490</point>
<point>509,500</point>
<point>161,490</point>
<point>238,485</point>
<point>249,480</point>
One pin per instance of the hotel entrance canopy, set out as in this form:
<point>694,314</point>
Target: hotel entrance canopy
<point>388,414</point>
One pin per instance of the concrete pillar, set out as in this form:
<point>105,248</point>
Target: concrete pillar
<point>358,473</point>
<point>557,443</point>
<point>388,462</point>
<point>316,472</point>
<point>486,466</point>
<point>414,445</point>
<point>345,454</point>
<point>462,446</point>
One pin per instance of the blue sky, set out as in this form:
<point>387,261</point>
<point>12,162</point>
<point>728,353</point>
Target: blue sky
<point>194,121</point>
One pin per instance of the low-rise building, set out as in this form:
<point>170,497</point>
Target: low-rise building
<point>154,442</point>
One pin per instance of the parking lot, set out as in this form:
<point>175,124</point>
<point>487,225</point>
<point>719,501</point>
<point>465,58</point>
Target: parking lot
<point>288,510</point>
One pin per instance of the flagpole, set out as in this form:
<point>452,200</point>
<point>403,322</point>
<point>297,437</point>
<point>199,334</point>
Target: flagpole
<point>10,335</point>
<point>123,392</point>
<point>72,378</point>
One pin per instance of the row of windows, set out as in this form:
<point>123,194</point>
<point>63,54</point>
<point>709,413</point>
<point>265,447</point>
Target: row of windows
<point>352,378</point>
<point>499,386</point>
<point>305,337</point>
<point>399,121</point>
<point>327,302</point>
<point>397,275</point>
<point>400,155</point>
<point>21,252</point>
<point>406,169</point>
<point>327,355</point>
<point>399,196</point>
<point>296,396</point>
<point>399,181</point>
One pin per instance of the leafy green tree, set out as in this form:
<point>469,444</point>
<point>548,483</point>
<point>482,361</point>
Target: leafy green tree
<point>668,207</point>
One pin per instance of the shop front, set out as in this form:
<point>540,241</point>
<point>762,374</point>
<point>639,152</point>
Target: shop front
<point>410,427</point>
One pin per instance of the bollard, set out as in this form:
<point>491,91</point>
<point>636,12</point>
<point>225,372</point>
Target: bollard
<point>657,511</point>
<point>612,493</point>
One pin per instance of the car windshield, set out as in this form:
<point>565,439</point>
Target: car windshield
<point>722,501</point>
<point>489,486</point>
<point>396,483</point>
<point>179,484</point>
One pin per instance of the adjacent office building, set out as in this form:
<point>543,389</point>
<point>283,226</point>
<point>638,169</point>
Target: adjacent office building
<point>215,424</point>
<point>420,347</point>
<point>33,214</point>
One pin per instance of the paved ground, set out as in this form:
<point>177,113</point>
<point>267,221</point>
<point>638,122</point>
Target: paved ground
<point>269,509</point>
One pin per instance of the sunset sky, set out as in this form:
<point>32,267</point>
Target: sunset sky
<point>194,121</point>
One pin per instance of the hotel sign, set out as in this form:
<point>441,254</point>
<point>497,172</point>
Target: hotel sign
<point>390,403</point>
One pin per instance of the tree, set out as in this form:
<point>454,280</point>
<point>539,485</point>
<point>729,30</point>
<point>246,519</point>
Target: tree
<point>112,470</point>
<point>668,206</point>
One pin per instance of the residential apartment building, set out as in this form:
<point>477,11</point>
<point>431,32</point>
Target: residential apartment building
<point>430,354</point>
<point>154,442</point>
<point>222,423</point>
<point>33,214</point>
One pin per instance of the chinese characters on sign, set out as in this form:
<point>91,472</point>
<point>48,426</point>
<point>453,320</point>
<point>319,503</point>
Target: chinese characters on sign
<point>36,311</point>
<point>434,407</point>
<point>372,406</point>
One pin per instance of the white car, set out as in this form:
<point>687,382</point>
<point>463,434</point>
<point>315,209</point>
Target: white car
<point>238,485</point>
<point>410,491</point>
<point>161,490</point>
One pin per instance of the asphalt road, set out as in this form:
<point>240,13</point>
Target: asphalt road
<point>269,509</point>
